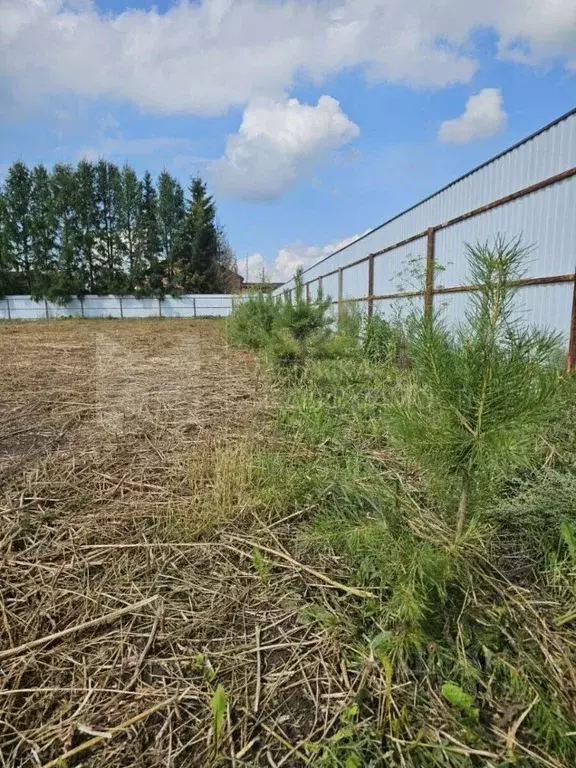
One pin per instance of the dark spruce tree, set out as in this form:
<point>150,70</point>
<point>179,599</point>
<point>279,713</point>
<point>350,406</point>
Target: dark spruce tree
<point>72,276</point>
<point>6,264</point>
<point>84,210</point>
<point>108,197</point>
<point>129,212</point>
<point>43,233</point>
<point>18,224</point>
<point>197,251</point>
<point>148,273</point>
<point>171,211</point>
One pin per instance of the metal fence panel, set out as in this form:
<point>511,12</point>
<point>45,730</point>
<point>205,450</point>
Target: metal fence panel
<point>330,286</point>
<point>355,281</point>
<point>209,305</point>
<point>72,309</point>
<point>546,306</point>
<point>398,309</point>
<point>545,220</point>
<point>101,306</point>
<point>529,191</point>
<point>23,308</point>
<point>452,307</point>
<point>181,306</point>
<point>313,290</point>
<point>392,269</point>
<point>193,305</point>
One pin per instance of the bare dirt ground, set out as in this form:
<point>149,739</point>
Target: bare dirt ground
<point>128,586</point>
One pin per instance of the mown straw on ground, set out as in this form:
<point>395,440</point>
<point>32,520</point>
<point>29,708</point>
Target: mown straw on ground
<point>123,605</point>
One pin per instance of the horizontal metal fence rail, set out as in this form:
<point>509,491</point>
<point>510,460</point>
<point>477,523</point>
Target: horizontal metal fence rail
<point>122,307</point>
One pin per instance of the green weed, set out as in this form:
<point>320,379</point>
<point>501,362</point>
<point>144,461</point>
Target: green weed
<point>218,706</point>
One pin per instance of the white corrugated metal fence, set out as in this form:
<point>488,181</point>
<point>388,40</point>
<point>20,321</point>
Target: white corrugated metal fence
<point>197,305</point>
<point>527,191</point>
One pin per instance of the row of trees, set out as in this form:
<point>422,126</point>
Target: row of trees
<point>99,229</point>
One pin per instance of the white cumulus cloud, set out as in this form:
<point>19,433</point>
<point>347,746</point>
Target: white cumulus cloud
<point>277,142</point>
<point>482,117</point>
<point>289,258</point>
<point>204,56</point>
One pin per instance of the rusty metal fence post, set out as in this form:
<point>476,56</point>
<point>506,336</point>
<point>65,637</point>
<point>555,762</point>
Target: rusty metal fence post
<point>572,340</point>
<point>370,285</point>
<point>429,286</point>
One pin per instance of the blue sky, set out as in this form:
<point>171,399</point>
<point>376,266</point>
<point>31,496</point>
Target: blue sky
<point>311,121</point>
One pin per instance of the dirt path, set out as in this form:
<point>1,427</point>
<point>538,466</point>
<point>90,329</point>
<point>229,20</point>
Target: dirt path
<point>128,526</point>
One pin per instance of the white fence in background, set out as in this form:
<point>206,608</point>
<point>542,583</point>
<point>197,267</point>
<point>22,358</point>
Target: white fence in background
<point>190,305</point>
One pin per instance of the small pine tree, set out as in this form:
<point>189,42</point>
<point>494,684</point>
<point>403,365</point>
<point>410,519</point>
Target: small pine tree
<point>251,323</point>
<point>301,327</point>
<point>477,397</point>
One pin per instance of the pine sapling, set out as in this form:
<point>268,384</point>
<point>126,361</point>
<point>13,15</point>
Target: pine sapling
<point>301,328</point>
<point>478,395</point>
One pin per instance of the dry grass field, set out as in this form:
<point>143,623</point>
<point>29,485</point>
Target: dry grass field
<point>128,587</point>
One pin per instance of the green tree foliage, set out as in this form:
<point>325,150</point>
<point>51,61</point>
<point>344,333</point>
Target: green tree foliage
<point>79,195</point>
<point>147,237</point>
<point>6,264</point>
<point>293,330</point>
<point>227,265</point>
<point>109,200</point>
<point>198,245</point>
<point>17,194</point>
<point>99,229</point>
<point>72,275</point>
<point>301,328</point>
<point>252,320</point>
<point>43,231</point>
<point>478,396</point>
<point>131,201</point>
<point>171,209</point>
